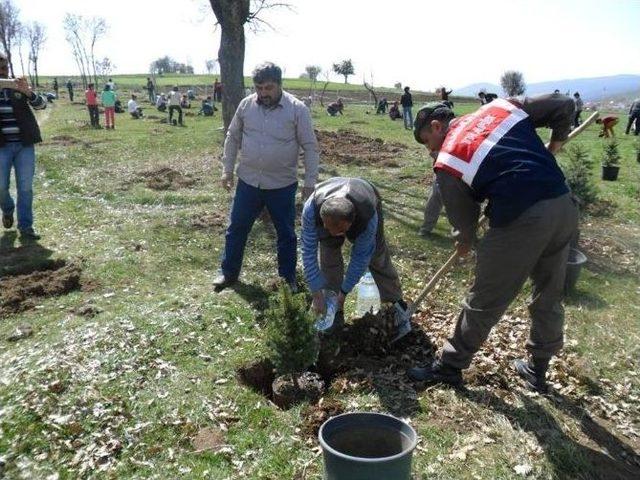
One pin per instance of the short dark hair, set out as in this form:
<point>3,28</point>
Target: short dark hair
<point>90,85</point>
<point>267,72</point>
<point>338,209</point>
<point>406,89</point>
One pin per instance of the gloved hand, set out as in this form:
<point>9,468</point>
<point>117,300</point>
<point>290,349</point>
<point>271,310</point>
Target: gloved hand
<point>227,181</point>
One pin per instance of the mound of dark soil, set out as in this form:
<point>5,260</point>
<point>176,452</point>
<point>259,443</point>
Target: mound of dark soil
<point>65,140</point>
<point>288,391</point>
<point>21,292</point>
<point>346,147</point>
<point>313,416</point>
<point>166,178</point>
<point>209,221</point>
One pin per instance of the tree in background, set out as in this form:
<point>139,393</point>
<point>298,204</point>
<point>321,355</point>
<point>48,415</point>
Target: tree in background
<point>211,65</point>
<point>167,64</point>
<point>397,85</point>
<point>512,83</point>
<point>105,67</point>
<point>36,36</point>
<point>344,68</point>
<point>82,34</point>
<point>9,29</point>
<point>312,72</point>
<point>231,16</point>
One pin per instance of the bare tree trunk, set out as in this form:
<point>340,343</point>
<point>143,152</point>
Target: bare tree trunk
<point>231,15</point>
<point>372,92</point>
<point>324,89</point>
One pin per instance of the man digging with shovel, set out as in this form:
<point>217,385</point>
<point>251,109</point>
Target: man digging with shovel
<point>349,208</point>
<point>495,154</point>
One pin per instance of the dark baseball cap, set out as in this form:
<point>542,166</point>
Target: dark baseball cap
<point>427,113</point>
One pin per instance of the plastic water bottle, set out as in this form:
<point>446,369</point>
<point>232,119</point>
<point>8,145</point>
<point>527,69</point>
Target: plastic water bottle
<point>331,306</point>
<point>368,296</point>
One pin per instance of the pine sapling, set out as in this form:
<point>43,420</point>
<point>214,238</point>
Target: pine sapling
<point>579,174</point>
<point>292,339</point>
<point>611,154</point>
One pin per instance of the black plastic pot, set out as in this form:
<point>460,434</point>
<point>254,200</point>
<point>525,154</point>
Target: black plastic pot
<point>574,264</point>
<point>365,446</point>
<point>610,173</point>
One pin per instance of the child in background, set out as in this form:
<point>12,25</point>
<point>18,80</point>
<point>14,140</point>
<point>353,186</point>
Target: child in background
<point>108,99</point>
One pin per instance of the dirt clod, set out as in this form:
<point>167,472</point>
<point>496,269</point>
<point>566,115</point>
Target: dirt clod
<point>289,391</point>
<point>313,416</point>
<point>208,439</point>
<point>347,147</point>
<point>166,178</point>
<point>19,292</point>
<point>87,310</point>
<point>209,221</point>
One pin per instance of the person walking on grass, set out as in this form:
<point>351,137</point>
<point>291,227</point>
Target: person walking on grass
<point>634,116</point>
<point>108,100</point>
<point>348,208</point>
<point>268,130</point>
<point>151,90</point>
<point>175,100</point>
<point>406,100</point>
<point>55,86</point>
<point>495,154</point>
<point>19,133</point>
<point>91,97</point>
<point>70,89</point>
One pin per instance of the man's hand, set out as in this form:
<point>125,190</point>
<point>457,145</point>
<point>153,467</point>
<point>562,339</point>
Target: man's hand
<point>227,181</point>
<point>463,248</point>
<point>306,193</point>
<point>555,146</point>
<point>318,302</point>
<point>22,85</point>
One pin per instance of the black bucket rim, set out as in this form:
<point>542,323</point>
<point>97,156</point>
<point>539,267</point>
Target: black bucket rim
<point>344,456</point>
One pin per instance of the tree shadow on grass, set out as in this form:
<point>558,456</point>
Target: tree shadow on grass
<point>613,459</point>
<point>398,191</point>
<point>24,257</point>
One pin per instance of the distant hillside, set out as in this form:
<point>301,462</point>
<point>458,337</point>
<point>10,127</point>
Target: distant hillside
<point>591,89</point>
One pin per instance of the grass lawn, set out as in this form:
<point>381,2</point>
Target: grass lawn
<point>134,374</point>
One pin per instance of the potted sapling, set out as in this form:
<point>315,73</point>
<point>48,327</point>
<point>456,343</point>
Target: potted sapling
<point>611,161</point>
<point>292,341</point>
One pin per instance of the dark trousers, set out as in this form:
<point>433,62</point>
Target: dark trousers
<point>577,120</point>
<point>248,203</point>
<point>171,109</point>
<point>70,90</point>
<point>536,246</point>
<point>94,116</point>
<point>633,117</point>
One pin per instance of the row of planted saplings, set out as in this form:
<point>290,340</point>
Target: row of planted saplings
<point>355,445</point>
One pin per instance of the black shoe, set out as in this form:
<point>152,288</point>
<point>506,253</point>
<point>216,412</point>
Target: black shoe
<point>7,220</point>
<point>29,234</point>
<point>436,372</point>
<point>221,282</point>
<point>533,375</point>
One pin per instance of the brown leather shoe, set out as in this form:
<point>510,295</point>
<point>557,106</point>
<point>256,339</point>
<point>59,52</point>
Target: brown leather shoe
<point>7,220</point>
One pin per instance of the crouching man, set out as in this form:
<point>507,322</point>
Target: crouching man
<point>495,154</point>
<point>349,208</point>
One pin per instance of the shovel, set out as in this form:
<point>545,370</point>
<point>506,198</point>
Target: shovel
<point>454,256</point>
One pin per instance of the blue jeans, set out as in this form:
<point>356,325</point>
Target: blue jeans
<point>23,160</point>
<point>408,117</point>
<point>247,205</point>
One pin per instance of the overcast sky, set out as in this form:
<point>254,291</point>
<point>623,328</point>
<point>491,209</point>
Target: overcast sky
<point>420,43</point>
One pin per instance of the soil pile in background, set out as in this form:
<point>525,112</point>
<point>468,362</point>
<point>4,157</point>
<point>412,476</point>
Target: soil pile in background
<point>207,221</point>
<point>166,178</point>
<point>345,147</point>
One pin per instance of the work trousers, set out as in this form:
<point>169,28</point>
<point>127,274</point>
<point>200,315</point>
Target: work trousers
<point>380,266</point>
<point>248,202</point>
<point>535,245</point>
<point>432,209</point>
<point>633,117</point>
<point>94,116</point>
<point>110,116</point>
<point>171,110</point>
